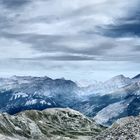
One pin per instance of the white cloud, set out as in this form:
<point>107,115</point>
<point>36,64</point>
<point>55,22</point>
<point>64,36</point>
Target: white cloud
<point>10,48</point>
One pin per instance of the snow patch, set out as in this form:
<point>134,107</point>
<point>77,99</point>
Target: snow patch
<point>43,102</point>
<point>19,95</point>
<point>49,103</point>
<point>31,102</point>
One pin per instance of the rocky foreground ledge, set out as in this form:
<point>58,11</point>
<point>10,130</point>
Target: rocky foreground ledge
<point>64,124</point>
<point>127,128</point>
<point>50,124</point>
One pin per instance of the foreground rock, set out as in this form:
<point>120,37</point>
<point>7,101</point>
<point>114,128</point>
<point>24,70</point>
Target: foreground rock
<point>50,124</point>
<point>124,129</point>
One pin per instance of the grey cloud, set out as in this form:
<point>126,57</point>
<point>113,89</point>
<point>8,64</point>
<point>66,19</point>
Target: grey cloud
<point>67,57</point>
<point>71,32</point>
<point>97,48</point>
<point>12,4</point>
<point>128,26</point>
<point>136,48</point>
<point>48,43</point>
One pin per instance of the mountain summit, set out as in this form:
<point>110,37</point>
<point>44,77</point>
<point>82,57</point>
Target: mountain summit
<point>118,81</point>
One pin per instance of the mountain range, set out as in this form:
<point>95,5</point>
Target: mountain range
<point>105,101</point>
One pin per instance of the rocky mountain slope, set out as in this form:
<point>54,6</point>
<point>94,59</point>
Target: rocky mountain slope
<point>124,129</point>
<point>126,103</point>
<point>50,124</point>
<point>105,101</point>
<point>64,124</point>
<point>22,93</point>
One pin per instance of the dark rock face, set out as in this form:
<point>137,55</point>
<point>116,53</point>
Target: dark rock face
<point>136,77</point>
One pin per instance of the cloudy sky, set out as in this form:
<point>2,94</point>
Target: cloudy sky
<point>75,39</point>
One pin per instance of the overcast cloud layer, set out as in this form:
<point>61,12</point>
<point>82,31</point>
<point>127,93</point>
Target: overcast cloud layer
<point>76,39</point>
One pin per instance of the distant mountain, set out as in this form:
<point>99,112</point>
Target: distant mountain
<point>109,104</point>
<point>127,105</point>
<point>109,86</point>
<point>117,82</point>
<point>22,93</point>
<point>50,124</point>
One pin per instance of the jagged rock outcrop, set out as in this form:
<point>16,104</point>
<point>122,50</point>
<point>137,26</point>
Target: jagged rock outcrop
<point>50,124</point>
<point>123,129</point>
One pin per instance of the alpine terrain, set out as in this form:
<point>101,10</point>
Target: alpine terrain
<point>104,101</point>
<point>50,124</point>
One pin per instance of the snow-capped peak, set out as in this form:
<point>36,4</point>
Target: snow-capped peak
<point>118,78</point>
<point>118,81</point>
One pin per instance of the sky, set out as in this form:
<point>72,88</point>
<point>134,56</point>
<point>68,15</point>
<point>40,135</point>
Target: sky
<point>76,39</point>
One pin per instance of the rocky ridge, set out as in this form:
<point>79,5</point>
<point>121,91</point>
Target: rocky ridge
<point>50,124</point>
<point>127,128</point>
